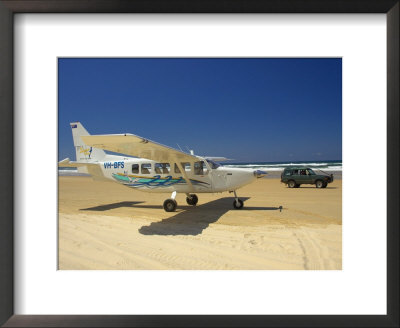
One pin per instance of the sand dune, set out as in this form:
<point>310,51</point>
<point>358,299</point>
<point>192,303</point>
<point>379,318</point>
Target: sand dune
<point>103,225</point>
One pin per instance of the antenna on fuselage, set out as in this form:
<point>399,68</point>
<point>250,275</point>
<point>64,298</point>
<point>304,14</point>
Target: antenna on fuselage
<point>191,151</point>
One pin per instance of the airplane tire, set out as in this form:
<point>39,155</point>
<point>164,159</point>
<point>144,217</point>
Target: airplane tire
<point>236,206</point>
<point>192,200</point>
<point>170,205</point>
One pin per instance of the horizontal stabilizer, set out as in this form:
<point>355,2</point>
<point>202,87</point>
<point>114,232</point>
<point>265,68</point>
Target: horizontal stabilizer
<point>67,163</point>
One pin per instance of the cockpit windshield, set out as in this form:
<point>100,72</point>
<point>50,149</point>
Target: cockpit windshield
<point>213,164</point>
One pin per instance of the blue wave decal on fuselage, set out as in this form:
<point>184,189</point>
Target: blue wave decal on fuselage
<point>153,182</point>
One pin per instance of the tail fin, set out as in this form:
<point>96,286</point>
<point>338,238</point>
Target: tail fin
<point>84,153</point>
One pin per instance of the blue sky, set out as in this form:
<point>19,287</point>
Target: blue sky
<point>251,110</point>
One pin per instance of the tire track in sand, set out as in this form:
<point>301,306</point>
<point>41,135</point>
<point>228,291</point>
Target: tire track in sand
<point>305,258</point>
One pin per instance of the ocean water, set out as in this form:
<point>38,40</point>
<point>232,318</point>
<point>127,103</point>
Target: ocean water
<point>272,167</point>
<point>330,166</point>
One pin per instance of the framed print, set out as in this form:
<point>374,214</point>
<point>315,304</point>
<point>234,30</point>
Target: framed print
<point>53,49</point>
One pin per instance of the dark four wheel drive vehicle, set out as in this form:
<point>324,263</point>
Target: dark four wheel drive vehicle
<point>296,176</point>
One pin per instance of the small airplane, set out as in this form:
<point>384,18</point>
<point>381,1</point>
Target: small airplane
<point>155,167</point>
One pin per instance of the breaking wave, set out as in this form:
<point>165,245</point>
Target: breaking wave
<point>327,166</point>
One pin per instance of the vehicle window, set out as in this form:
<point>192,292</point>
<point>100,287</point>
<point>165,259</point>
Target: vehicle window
<point>200,168</point>
<point>135,168</point>
<point>213,164</point>
<point>161,168</point>
<point>185,165</point>
<point>295,172</point>
<point>146,168</point>
<point>166,168</point>
<point>205,169</point>
<point>288,173</point>
<point>311,172</point>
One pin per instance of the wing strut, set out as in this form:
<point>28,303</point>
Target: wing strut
<point>182,169</point>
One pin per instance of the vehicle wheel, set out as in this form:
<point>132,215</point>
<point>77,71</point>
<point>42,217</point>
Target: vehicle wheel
<point>238,207</point>
<point>325,184</point>
<point>319,184</point>
<point>170,205</point>
<point>291,184</point>
<point>192,200</point>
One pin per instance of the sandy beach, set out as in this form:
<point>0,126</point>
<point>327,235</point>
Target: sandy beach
<point>106,226</point>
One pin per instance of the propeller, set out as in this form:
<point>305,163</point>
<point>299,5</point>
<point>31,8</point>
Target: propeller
<point>259,174</point>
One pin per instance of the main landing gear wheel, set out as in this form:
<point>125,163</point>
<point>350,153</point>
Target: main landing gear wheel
<point>192,199</point>
<point>238,204</point>
<point>170,205</point>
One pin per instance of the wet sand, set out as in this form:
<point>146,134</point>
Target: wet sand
<point>103,225</point>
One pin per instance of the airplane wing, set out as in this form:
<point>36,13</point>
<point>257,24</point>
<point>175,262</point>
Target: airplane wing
<point>132,145</point>
<point>217,158</point>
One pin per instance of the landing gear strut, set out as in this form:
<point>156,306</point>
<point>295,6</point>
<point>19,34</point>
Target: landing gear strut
<point>192,199</point>
<point>237,203</point>
<point>170,204</point>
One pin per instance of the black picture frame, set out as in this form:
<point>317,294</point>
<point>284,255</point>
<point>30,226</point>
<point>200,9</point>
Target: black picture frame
<point>10,7</point>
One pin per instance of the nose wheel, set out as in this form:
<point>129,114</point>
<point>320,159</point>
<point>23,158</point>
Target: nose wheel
<point>192,199</point>
<point>237,203</point>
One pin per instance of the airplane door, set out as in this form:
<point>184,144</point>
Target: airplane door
<point>219,180</point>
<point>201,177</point>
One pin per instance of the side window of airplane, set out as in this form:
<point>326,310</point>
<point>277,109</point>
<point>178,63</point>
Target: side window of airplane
<point>205,170</point>
<point>185,165</point>
<point>157,168</point>
<point>135,168</point>
<point>200,168</point>
<point>146,168</point>
<point>162,168</point>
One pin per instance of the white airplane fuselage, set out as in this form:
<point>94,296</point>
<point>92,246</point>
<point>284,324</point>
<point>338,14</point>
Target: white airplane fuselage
<point>151,176</point>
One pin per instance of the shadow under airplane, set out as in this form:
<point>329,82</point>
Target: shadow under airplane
<point>107,207</point>
<point>197,218</point>
<point>191,220</point>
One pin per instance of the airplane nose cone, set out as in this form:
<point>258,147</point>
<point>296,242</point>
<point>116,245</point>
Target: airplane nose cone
<point>259,174</point>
